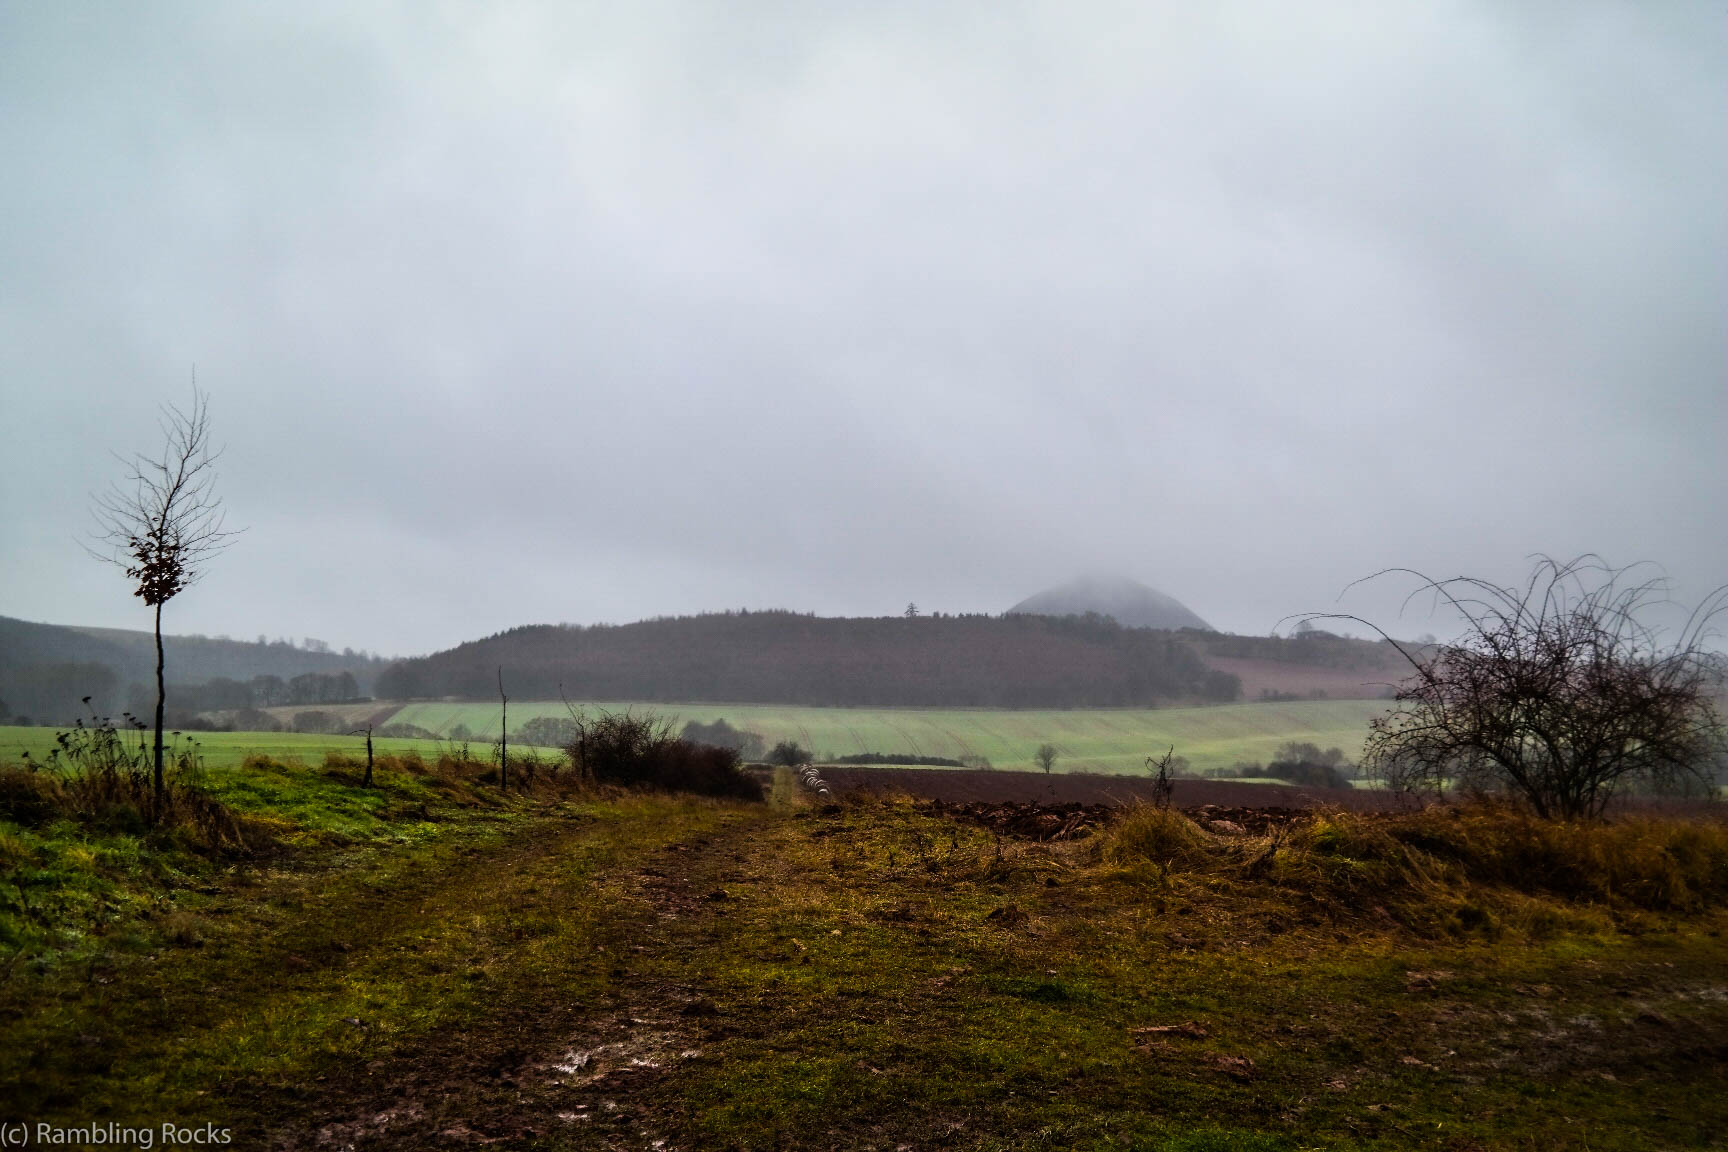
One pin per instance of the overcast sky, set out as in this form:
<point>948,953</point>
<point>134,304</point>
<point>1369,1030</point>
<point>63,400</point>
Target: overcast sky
<point>516,313</point>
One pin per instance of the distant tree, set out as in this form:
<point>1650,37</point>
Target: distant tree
<point>54,691</point>
<point>322,723</point>
<point>789,753</point>
<point>720,734</point>
<point>1557,694</point>
<point>321,688</point>
<point>546,731</point>
<point>1046,757</point>
<point>911,611</point>
<point>160,525</point>
<point>404,681</point>
<point>221,694</point>
<point>1217,684</point>
<point>268,691</point>
<point>1304,763</point>
<point>252,720</point>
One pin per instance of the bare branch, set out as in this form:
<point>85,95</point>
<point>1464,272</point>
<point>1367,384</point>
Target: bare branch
<point>163,520</point>
<point>1557,692</point>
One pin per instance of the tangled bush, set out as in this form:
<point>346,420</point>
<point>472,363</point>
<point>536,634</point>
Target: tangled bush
<point>641,752</point>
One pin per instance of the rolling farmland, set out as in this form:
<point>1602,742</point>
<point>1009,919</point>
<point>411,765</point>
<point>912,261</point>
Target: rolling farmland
<point>1089,740</point>
<point>1095,740</point>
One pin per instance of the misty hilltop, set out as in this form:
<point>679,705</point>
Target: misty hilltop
<point>1131,603</point>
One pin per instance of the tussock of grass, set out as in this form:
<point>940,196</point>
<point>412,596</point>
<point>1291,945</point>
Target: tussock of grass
<point>1162,836</point>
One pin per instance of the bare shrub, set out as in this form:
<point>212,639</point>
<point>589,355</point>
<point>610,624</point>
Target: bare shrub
<point>1557,695</point>
<point>641,752</point>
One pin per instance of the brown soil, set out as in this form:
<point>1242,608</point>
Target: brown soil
<point>965,787</point>
<point>1051,822</point>
<point>551,1067</point>
<point>1031,821</point>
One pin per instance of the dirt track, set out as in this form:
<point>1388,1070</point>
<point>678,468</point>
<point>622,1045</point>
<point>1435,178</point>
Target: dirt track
<point>961,787</point>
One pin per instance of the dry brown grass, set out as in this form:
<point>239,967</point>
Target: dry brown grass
<point>1449,857</point>
<point>1162,836</point>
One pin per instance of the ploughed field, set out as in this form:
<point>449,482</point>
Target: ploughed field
<point>432,964</point>
<point>958,786</point>
<point>1089,740</point>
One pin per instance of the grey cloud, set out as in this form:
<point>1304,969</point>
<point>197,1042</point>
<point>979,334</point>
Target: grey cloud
<point>540,312</point>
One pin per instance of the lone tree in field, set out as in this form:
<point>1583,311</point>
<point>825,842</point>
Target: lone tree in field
<point>1046,757</point>
<point>161,524</point>
<point>1557,693</point>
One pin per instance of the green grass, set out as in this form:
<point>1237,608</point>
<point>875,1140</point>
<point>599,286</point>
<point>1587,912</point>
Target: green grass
<point>434,963</point>
<point>228,749</point>
<point>1090,740</point>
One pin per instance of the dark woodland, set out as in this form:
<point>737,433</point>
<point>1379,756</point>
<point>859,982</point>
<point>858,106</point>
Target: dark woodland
<point>785,658</point>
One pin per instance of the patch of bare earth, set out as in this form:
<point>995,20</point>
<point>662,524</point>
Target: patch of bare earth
<point>555,1069</point>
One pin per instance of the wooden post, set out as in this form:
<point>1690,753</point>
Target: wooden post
<point>503,735</point>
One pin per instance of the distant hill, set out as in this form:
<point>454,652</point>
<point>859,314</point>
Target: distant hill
<point>1128,602</point>
<point>46,669</point>
<point>1024,661</point>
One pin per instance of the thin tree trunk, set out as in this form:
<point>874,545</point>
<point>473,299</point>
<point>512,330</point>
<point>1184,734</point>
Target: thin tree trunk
<point>161,701</point>
<point>368,755</point>
<point>503,735</point>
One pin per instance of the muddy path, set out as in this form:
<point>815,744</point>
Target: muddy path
<point>565,1062</point>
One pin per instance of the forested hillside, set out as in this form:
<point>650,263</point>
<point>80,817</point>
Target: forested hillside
<point>787,658</point>
<point>47,669</point>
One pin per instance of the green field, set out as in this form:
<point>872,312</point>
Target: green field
<point>1090,740</point>
<point>225,749</point>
